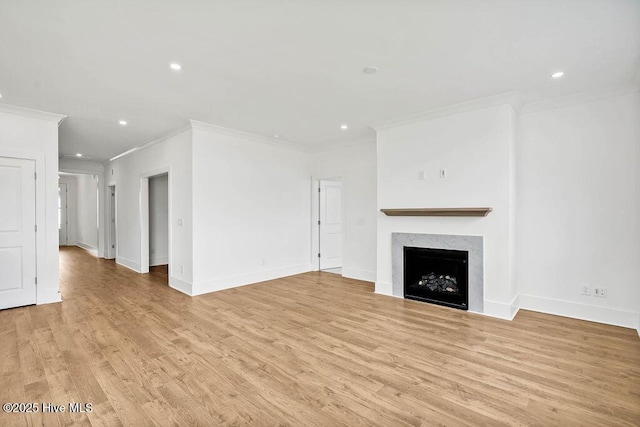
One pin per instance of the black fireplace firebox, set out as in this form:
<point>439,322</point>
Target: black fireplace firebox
<point>438,276</point>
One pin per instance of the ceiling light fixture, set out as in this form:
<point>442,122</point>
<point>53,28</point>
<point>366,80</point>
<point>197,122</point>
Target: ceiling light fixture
<point>371,69</point>
<point>557,74</point>
<point>123,122</point>
<point>78,154</point>
<point>0,95</point>
<point>175,66</point>
<point>344,126</point>
<point>275,135</point>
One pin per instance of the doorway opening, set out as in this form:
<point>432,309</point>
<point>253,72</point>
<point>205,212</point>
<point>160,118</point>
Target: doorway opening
<point>79,211</point>
<point>155,242</point>
<point>327,224</point>
<point>63,220</point>
<point>112,243</point>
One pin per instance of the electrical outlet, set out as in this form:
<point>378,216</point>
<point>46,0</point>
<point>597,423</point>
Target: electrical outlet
<point>422,175</point>
<point>443,173</point>
<point>600,292</point>
<point>586,289</point>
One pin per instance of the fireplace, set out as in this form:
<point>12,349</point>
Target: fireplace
<point>438,276</point>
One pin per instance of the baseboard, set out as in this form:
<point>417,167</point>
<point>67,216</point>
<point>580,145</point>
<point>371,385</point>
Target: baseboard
<point>387,295</point>
<point>592,313</point>
<point>47,296</point>
<point>248,279</point>
<point>161,260</point>
<point>125,262</point>
<point>380,288</point>
<point>352,273</point>
<point>180,285</point>
<point>501,310</point>
<point>87,247</point>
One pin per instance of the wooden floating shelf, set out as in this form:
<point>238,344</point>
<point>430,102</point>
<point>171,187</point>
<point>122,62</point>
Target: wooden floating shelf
<point>438,212</point>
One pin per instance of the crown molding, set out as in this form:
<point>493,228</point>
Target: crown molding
<point>208,127</point>
<point>578,98</point>
<point>511,98</point>
<point>34,114</point>
<point>153,141</point>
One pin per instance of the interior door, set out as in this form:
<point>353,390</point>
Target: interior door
<point>17,232</point>
<point>330,224</point>
<point>62,215</point>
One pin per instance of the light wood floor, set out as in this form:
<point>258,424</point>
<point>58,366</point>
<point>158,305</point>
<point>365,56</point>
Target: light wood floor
<point>312,349</point>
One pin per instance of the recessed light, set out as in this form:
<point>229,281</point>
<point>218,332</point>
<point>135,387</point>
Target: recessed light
<point>371,69</point>
<point>78,154</point>
<point>123,122</point>
<point>275,135</point>
<point>344,126</point>
<point>0,95</point>
<point>175,66</point>
<point>557,74</point>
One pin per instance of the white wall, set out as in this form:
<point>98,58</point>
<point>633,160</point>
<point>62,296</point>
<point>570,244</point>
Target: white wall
<point>172,154</point>
<point>34,135</point>
<point>87,212</point>
<point>72,207</point>
<point>476,148</point>
<point>356,166</point>
<point>579,209</point>
<point>251,209</point>
<point>159,220</point>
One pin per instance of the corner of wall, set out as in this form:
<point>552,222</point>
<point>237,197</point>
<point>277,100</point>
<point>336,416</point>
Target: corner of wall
<point>180,285</point>
<point>502,310</point>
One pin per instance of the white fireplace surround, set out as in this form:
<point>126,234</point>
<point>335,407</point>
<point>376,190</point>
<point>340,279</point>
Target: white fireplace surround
<point>471,244</point>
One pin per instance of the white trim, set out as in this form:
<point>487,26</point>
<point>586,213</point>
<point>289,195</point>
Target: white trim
<point>153,141</point>
<point>180,285</point>
<point>352,273</point>
<point>126,262</point>
<point>578,98</point>
<point>511,98</point>
<point>161,260</point>
<point>592,313</point>
<point>87,247</point>
<point>247,135</point>
<point>248,279</point>
<point>34,114</point>
<point>382,285</point>
<point>501,310</point>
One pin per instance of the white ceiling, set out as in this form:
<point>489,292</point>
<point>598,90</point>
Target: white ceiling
<point>295,67</point>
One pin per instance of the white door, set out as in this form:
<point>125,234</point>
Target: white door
<point>17,232</point>
<point>62,215</point>
<point>330,224</point>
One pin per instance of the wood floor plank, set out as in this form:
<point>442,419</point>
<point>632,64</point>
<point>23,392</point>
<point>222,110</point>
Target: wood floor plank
<point>311,349</point>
